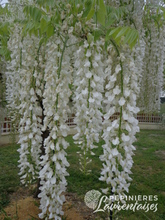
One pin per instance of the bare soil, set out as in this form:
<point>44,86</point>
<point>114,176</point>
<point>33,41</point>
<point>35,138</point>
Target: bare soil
<point>24,207</point>
<point>161,154</point>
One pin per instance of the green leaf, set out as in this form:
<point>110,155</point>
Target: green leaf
<point>43,25</point>
<point>163,9</point>
<point>91,13</point>
<point>90,38</point>
<point>113,33</point>
<point>122,31</point>
<point>130,35</point>
<point>115,14</point>
<point>29,27</point>
<point>56,18</point>
<point>34,12</point>
<point>46,3</point>
<point>97,34</point>
<point>88,6</point>
<point>101,13</point>
<point>50,30</point>
<point>109,22</point>
<point>108,36</point>
<point>5,52</point>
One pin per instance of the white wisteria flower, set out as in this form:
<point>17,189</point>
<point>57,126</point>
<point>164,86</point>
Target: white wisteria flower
<point>88,97</point>
<point>119,133</point>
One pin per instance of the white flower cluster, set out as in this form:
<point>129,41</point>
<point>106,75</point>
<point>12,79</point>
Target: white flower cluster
<point>106,83</point>
<point>38,92</point>
<point>12,77</point>
<point>88,85</point>
<point>55,103</point>
<point>152,72</point>
<point>119,133</point>
<point>22,101</point>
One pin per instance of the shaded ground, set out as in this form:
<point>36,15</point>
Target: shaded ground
<point>24,207</point>
<point>161,154</point>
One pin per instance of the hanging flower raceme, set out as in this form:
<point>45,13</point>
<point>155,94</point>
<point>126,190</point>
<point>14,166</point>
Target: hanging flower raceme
<point>88,85</point>
<point>12,76</point>
<point>30,124</point>
<point>119,131</point>
<point>24,104</point>
<point>152,72</point>
<point>55,104</point>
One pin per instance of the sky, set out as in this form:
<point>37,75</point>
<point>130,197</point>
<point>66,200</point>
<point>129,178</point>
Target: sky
<point>2,2</point>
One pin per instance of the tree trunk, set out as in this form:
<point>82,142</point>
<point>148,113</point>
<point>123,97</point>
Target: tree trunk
<point>45,134</point>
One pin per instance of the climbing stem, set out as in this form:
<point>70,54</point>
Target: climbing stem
<point>121,108</point>
<point>63,50</point>
<point>89,90</point>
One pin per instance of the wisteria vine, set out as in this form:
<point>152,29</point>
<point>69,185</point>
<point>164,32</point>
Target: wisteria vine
<point>77,53</point>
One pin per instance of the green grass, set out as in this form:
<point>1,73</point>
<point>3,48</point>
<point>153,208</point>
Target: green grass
<point>9,180</point>
<point>148,173</point>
